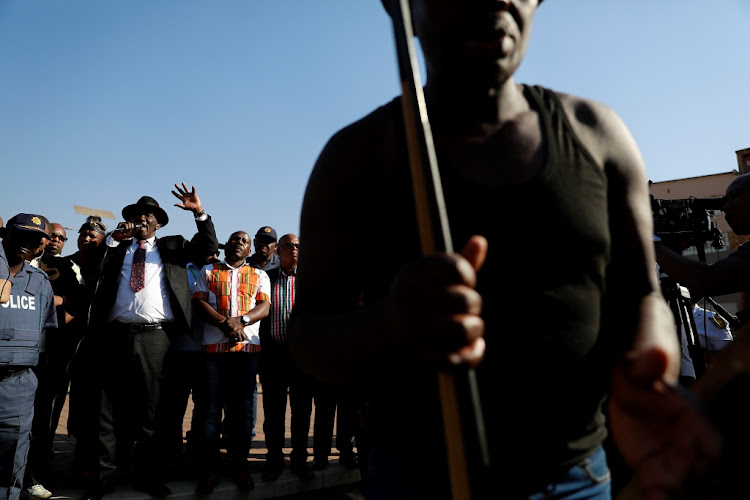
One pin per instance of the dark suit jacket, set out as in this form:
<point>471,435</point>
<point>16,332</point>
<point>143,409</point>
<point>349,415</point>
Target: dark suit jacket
<point>175,252</point>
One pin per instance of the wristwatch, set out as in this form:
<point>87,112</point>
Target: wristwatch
<point>657,239</point>
<point>245,320</point>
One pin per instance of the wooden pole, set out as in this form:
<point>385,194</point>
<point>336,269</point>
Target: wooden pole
<point>435,237</point>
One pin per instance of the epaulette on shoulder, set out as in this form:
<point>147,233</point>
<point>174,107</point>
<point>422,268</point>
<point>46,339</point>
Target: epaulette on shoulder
<point>34,268</point>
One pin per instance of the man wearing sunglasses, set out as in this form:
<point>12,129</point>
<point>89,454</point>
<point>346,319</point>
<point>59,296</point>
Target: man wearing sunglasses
<point>281,374</point>
<point>56,351</point>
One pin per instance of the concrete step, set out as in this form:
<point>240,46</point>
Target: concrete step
<point>287,484</point>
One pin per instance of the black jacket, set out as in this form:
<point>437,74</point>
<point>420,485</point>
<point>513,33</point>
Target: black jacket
<point>175,252</point>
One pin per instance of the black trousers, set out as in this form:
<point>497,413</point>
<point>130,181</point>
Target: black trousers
<point>339,403</point>
<point>132,371</point>
<point>182,373</point>
<point>84,404</point>
<point>279,375</point>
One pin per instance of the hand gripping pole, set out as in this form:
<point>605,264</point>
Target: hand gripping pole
<point>462,425</point>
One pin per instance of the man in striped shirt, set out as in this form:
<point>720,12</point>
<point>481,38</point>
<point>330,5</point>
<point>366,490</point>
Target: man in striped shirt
<point>281,374</point>
<point>233,297</point>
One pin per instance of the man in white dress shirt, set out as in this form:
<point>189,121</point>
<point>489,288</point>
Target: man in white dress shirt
<point>141,296</point>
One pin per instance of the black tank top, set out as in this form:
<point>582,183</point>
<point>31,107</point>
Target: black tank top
<point>546,371</point>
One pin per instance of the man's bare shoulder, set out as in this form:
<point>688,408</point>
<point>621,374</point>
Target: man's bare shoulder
<point>600,129</point>
<point>583,109</point>
<point>588,115</point>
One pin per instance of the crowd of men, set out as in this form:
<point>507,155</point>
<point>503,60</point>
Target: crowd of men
<point>132,325</point>
<point>569,342</point>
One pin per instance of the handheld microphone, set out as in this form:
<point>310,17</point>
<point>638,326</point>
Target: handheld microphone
<point>122,229</point>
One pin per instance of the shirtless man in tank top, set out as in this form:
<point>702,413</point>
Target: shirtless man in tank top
<point>589,317</point>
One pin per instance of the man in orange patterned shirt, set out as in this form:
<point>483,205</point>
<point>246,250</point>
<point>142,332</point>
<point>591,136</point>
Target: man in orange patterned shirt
<point>233,297</point>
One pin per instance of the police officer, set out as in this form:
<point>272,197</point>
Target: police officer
<point>29,310</point>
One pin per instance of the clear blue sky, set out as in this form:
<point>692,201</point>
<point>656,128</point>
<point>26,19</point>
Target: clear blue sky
<point>102,102</point>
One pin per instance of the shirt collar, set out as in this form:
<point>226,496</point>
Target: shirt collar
<point>244,263</point>
<point>293,273</point>
<point>150,241</point>
<point>25,269</point>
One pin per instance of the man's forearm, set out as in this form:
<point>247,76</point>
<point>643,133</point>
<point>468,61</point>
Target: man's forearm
<point>682,269</point>
<point>209,314</point>
<point>258,312</point>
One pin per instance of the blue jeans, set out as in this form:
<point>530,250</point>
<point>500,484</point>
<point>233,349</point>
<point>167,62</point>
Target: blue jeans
<point>230,384</point>
<point>590,480</point>
<point>389,479</point>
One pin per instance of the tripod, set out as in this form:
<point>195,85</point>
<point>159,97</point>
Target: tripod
<point>678,298</point>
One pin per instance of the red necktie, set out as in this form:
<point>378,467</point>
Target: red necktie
<point>137,275</point>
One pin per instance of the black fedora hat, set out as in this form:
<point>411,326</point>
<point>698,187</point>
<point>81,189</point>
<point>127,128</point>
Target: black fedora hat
<point>146,203</point>
<point>387,5</point>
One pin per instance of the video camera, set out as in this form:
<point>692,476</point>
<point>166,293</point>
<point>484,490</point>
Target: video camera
<point>686,222</point>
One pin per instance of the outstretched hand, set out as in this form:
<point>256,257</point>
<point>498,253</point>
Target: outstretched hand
<point>434,310</point>
<point>190,200</point>
<point>658,427</point>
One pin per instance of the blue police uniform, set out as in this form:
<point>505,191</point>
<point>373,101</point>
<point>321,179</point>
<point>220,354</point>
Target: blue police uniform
<point>29,311</point>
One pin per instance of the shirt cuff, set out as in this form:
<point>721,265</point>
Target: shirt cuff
<point>203,216</point>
